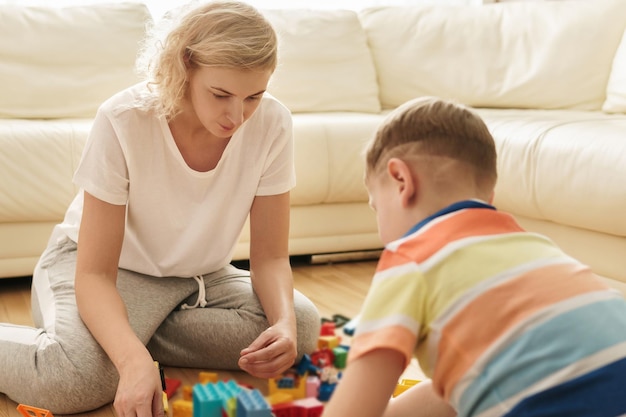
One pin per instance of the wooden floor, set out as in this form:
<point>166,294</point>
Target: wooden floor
<point>336,288</point>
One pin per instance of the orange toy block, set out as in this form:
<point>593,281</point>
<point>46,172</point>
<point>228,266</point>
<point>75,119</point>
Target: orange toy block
<point>30,411</point>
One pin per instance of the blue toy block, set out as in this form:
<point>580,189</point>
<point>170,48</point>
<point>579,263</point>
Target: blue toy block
<point>325,391</point>
<point>251,403</point>
<point>286,382</point>
<point>211,398</point>
<point>304,364</point>
<point>207,401</point>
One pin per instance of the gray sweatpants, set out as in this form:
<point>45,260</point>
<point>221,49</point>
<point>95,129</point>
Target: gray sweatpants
<point>59,366</point>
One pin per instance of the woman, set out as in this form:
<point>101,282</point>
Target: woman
<point>139,269</point>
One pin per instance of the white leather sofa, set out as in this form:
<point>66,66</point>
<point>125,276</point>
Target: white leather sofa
<point>549,78</point>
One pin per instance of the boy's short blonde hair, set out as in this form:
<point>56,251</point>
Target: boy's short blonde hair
<point>227,34</point>
<point>430,126</point>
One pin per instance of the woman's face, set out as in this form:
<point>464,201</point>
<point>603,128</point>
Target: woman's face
<point>223,98</point>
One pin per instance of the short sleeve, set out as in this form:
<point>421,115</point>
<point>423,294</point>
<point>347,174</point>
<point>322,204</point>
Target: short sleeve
<point>278,174</point>
<point>393,312</point>
<point>102,170</point>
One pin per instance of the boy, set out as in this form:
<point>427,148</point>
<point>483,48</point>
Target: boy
<point>503,321</point>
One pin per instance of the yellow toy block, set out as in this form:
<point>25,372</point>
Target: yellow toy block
<point>328,342</point>
<point>279,398</point>
<point>404,385</point>
<point>206,377</point>
<point>166,404</point>
<point>187,393</point>
<point>182,408</point>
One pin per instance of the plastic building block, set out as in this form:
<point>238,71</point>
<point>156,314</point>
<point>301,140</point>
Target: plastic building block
<point>252,404</point>
<point>299,391</point>
<point>312,386</point>
<point>182,408</point>
<point>404,385</point>
<point>306,365</point>
<point>323,357</point>
<point>328,342</point>
<point>206,377</point>
<point>350,326</point>
<point>188,392</point>
<point>328,329</point>
<point>279,398</point>
<point>326,391</point>
<point>206,401</point>
<point>341,357</point>
<point>30,411</point>
<point>308,407</point>
<point>210,399</point>
<point>284,410</point>
<point>166,404</point>
<point>171,385</point>
<point>286,382</point>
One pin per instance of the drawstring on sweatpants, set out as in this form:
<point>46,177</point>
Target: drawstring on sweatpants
<point>201,301</point>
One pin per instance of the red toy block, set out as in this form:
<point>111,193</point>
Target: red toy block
<point>328,329</point>
<point>323,357</point>
<point>284,410</point>
<point>171,385</point>
<point>308,407</point>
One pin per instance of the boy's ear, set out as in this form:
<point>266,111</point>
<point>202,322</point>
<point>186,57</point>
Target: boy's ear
<point>403,179</point>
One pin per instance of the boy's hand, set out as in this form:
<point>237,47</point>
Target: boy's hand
<point>272,353</point>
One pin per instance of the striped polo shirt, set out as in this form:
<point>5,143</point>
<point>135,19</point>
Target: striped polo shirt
<point>502,320</point>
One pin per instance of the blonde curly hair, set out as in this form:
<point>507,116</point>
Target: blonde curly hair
<point>228,34</point>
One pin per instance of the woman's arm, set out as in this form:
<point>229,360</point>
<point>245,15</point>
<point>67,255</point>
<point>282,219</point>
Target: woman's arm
<point>274,351</point>
<point>104,313</point>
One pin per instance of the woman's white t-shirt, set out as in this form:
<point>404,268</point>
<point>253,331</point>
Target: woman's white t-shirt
<point>179,222</point>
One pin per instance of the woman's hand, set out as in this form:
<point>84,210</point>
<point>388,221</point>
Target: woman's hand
<point>272,353</point>
<point>139,392</point>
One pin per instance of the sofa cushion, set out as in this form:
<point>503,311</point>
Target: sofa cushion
<point>329,156</point>
<point>39,157</point>
<point>66,61</point>
<point>567,167</point>
<point>543,54</point>
<point>616,88</point>
<point>324,62</point>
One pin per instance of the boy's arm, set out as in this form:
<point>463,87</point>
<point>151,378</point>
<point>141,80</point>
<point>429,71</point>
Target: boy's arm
<point>366,385</point>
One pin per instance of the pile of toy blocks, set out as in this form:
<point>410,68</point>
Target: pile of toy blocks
<point>299,392</point>
<point>214,398</point>
<point>317,374</point>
